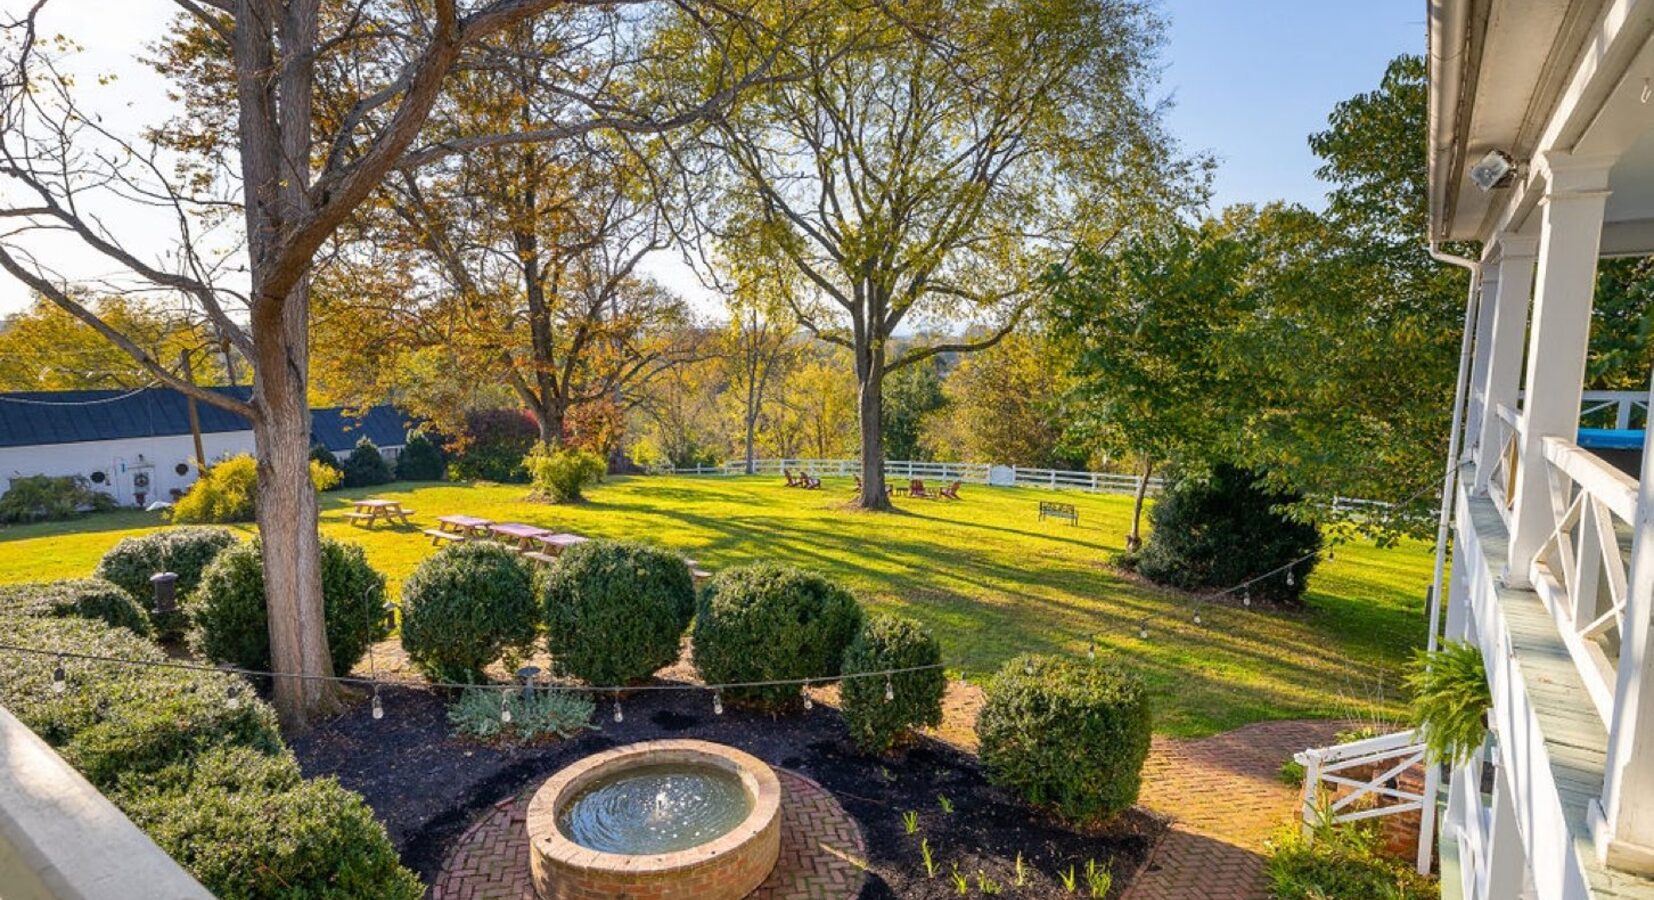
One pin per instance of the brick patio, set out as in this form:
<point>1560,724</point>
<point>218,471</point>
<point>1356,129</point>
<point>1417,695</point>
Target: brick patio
<point>1225,798</point>
<point>821,851</point>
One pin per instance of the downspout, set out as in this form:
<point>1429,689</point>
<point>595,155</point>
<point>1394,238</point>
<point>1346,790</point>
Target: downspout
<point>1467,348</point>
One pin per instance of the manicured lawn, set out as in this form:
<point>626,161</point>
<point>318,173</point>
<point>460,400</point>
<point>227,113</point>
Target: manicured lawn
<point>984,573</point>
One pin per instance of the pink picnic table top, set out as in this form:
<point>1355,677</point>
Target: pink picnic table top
<point>465,521</point>
<point>561,540</point>
<point>517,530</point>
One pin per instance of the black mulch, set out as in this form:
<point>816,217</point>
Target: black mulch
<point>427,787</point>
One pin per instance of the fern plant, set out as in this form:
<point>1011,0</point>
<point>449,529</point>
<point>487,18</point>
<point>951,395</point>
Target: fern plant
<point>1450,700</point>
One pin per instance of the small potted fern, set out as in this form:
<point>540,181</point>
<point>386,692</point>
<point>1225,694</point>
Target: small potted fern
<point>1450,700</point>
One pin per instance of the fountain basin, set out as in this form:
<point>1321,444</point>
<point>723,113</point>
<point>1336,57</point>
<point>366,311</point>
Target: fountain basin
<point>732,861</point>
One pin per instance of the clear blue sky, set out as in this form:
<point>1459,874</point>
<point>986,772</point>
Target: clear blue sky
<point>1253,78</point>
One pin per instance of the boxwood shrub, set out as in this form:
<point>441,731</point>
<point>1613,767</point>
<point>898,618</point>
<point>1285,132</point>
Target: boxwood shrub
<point>88,598</point>
<point>891,642</point>
<point>615,611</point>
<point>249,826</point>
<point>464,606</point>
<point>232,623</point>
<point>1070,736</point>
<point>185,550</point>
<point>366,466</point>
<point>420,459</point>
<point>770,622</point>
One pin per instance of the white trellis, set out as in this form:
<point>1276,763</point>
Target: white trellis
<point>1329,769</point>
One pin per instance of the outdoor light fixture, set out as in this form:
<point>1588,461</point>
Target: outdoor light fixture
<point>165,586</point>
<point>1495,170</point>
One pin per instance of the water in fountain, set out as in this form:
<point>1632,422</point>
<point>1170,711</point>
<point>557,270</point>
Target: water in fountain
<point>655,809</point>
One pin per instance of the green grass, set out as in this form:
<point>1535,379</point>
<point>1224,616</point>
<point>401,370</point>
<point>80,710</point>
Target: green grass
<point>990,579</point>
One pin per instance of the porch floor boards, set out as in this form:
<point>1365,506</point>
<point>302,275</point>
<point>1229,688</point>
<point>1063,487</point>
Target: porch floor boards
<point>1573,734</point>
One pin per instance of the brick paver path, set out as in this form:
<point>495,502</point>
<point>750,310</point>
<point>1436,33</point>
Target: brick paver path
<point>1225,798</point>
<point>822,851</point>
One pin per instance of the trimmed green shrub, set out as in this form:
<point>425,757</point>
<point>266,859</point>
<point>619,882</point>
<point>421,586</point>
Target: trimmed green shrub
<point>767,622</point>
<point>366,466</point>
<point>891,642</point>
<point>1222,528</point>
<point>494,445</point>
<point>561,713</point>
<point>87,598</point>
<point>232,623</point>
<point>1450,700</point>
<point>35,498</point>
<point>247,825</point>
<point>420,460</point>
<point>464,606</point>
<point>185,551</point>
<point>1070,736</point>
<point>320,455</point>
<point>1336,863</point>
<point>558,473</point>
<point>615,611</point>
<point>115,719</point>
<point>229,491</point>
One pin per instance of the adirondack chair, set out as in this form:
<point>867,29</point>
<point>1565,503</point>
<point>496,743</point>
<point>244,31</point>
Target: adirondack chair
<point>791,480</point>
<point>951,492</point>
<point>806,482</point>
<point>916,488</point>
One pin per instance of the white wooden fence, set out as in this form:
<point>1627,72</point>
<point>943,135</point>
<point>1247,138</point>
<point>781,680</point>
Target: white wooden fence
<point>970,473</point>
<point>1383,759</point>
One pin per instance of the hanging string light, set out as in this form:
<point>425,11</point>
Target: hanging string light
<point>1246,598</point>
<point>505,709</point>
<point>1143,630</point>
<point>717,703</point>
<point>232,693</point>
<point>804,692</point>
<point>378,708</point>
<point>1197,617</point>
<point>1028,666</point>
<point>619,715</point>
<point>1091,649</point>
<point>60,679</point>
<point>889,690</point>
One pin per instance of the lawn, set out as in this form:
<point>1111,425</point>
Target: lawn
<point>990,579</point>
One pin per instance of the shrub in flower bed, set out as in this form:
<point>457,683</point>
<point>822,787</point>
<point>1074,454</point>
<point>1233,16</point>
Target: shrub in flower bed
<point>771,622</point>
<point>232,624</point>
<point>1341,861</point>
<point>184,550</point>
<point>229,491</point>
<point>562,713</point>
<point>877,719</point>
<point>35,498</point>
<point>464,606</point>
<point>209,779</point>
<point>1069,736</point>
<point>615,611</point>
<point>87,598</point>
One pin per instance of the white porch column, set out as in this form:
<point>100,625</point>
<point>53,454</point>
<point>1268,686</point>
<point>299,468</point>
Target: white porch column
<point>1507,326</point>
<point>1476,403</point>
<point>1570,236</point>
<point>1623,823</point>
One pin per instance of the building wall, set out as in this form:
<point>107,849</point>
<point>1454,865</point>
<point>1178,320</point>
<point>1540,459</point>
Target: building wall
<point>120,461</point>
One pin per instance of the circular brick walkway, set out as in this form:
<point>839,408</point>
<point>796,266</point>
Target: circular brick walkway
<point>1225,798</point>
<point>822,851</point>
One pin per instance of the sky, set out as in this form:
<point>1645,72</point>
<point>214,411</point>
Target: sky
<point>1249,80</point>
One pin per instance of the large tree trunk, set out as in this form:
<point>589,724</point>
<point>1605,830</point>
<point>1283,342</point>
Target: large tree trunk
<point>287,516</point>
<point>870,409</point>
<point>1134,538</point>
<point>752,457</point>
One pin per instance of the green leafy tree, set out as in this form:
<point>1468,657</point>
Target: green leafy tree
<point>911,393</point>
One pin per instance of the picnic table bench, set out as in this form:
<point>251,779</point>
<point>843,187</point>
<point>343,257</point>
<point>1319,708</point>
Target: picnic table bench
<point>553,544</point>
<point>518,533</point>
<point>368,512</point>
<point>456,528</point>
<point>1052,510</point>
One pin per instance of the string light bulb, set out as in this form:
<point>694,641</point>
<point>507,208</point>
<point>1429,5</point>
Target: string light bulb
<point>1143,630</point>
<point>717,703</point>
<point>619,715</point>
<point>1197,618</point>
<point>232,696</point>
<point>378,707</point>
<point>1091,650</point>
<point>889,689</point>
<point>804,691</point>
<point>1246,598</point>
<point>1028,666</point>
<point>60,679</point>
<point>505,709</point>
<point>1289,579</point>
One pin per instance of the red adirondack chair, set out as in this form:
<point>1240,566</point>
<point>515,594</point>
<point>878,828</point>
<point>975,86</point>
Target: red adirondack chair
<point>916,488</point>
<point>806,482</point>
<point>951,492</point>
<point>791,481</point>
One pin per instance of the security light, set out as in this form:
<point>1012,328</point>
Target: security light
<point>1495,170</point>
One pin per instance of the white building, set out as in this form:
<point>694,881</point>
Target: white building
<point>137,445</point>
<point>1553,550</point>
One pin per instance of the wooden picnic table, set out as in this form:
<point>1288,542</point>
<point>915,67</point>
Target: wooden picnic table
<point>517,532</point>
<point>372,510</point>
<point>556,543</point>
<point>458,528</point>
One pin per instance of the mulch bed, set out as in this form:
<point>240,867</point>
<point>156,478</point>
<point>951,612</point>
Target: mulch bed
<point>427,787</point>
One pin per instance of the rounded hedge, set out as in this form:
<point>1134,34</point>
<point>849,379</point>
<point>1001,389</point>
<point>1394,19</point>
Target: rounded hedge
<point>888,642</point>
<point>1218,529</point>
<point>464,606</point>
<point>87,598</point>
<point>615,611</point>
<point>185,550</point>
<point>366,466</point>
<point>420,459</point>
<point>231,620</point>
<point>1071,736</point>
<point>770,622</point>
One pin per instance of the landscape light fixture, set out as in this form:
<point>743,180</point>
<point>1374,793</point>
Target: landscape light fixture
<point>1495,170</point>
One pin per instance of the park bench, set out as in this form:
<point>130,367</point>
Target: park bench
<point>540,557</point>
<point>1052,510</point>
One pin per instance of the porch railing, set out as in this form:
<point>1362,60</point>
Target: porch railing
<point>1363,780</point>
<point>1614,409</point>
<point>1501,484</point>
<point>1581,570</point>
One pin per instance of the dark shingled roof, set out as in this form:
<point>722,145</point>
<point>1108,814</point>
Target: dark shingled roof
<point>155,412</point>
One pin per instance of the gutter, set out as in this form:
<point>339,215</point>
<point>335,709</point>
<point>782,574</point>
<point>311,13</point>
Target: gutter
<point>1448,42</point>
<point>1455,435</point>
